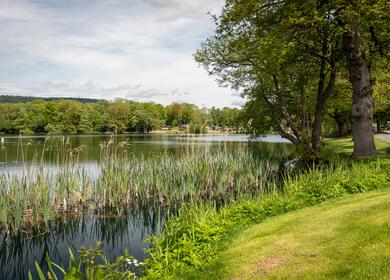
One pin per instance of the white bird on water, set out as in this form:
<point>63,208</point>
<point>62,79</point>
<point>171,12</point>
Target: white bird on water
<point>2,140</point>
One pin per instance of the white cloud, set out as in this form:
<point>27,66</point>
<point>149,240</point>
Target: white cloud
<point>238,103</point>
<point>103,48</point>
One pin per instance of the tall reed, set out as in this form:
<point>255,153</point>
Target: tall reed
<point>125,182</point>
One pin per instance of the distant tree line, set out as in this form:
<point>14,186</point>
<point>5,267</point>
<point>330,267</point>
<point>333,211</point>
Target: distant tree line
<point>23,99</point>
<point>64,116</point>
<point>87,116</point>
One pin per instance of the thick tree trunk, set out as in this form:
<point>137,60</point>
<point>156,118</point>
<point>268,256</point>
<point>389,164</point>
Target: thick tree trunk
<point>362,104</point>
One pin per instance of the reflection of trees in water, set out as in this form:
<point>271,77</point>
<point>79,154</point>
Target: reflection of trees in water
<point>146,145</point>
<point>17,254</point>
<point>271,151</point>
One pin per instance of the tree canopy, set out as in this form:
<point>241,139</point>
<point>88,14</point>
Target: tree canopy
<point>287,56</point>
<point>119,116</point>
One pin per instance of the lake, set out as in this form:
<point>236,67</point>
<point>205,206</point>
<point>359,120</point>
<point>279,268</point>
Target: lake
<point>18,154</point>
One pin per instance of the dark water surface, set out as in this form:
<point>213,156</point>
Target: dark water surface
<point>17,255</point>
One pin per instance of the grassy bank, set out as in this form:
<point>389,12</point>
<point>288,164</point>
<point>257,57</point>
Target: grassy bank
<point>348,238</point>
<point>190,242</point>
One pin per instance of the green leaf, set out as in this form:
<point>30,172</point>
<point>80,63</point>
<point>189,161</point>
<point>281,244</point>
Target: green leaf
<point>39,270</point>
<point>73,274</point>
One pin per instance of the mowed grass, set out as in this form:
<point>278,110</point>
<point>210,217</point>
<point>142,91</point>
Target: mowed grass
<point>348,238</point>
<point>344,145</point>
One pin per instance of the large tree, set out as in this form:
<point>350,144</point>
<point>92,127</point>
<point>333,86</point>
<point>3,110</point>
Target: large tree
<point>366,31</point>
<point>288,53</point>
<point>280,55</point>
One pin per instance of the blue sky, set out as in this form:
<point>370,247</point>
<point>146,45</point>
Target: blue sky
<point>135,49</point>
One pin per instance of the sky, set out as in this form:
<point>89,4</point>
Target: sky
<point>141,50</point>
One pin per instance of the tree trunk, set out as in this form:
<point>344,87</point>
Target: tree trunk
<point>323,95</point>
<point>362,104</point>
<point>378,125</point>
<point>316,131</point>
<point>342,123</point>
<point>343,127</point>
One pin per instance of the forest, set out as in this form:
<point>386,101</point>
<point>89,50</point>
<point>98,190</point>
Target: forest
<point>88,116</point>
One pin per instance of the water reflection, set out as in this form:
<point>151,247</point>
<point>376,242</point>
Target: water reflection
<point>25,155</point>
<point>18,156</point>
<point>17,254</point>
<point>23,149</point>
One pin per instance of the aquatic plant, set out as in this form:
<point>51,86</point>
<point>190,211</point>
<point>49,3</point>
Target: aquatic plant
<point>125,182</point>
<point>91,264</point>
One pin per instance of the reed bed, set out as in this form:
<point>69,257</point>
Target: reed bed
<point>125,182</point>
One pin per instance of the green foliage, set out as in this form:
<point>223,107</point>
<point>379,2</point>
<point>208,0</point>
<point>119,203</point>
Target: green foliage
<point>286,57</point>
<point>197,128</point>
<point>26,131</point>
<point>92,264</point>
<point>382,95</point>
<point>272,53</point>
<point>226,118</point>
<point>24,99</point>
<point>69,116</point>
<point>256,118</point>
<point>192,240</point>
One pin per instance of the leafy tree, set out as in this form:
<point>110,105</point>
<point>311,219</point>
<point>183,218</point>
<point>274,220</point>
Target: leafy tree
<point>274,54</point>
<point>288,53</point>
<point>70,117</point>
<point>174,114</point>
<point>142,120</point>
<point>86,121</point>
<point>255,118</point>
<point>118,116</point>
<point>366,29</point>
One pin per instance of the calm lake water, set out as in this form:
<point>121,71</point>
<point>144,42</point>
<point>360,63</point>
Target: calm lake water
<point>17,255</point>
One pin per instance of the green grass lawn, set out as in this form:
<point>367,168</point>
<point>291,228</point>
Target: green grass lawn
<point>345,145</point>
<point>347,238</point>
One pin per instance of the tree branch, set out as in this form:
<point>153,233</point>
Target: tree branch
<point>282,107</point>
<point>278,126</point>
